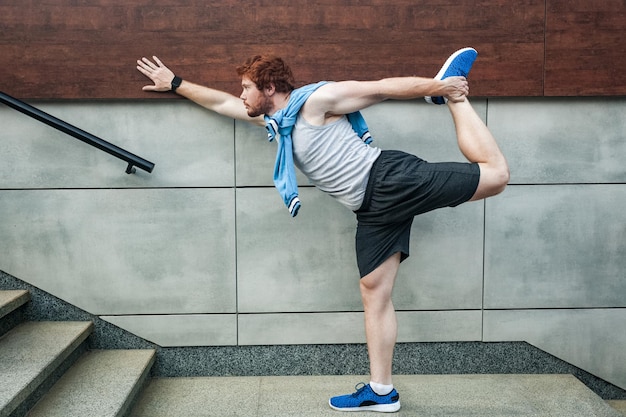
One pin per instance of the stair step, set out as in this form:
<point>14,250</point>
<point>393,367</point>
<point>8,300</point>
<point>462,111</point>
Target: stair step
<point>420,395</point>
<point>11,300</point>
<point>30,353</point>
<point>102,383</point>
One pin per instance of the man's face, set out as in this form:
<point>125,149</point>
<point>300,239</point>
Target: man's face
<point>257,102</point>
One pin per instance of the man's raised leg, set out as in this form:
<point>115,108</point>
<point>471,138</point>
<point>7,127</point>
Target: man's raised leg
<point>475,140</point>
<point>478,145</point>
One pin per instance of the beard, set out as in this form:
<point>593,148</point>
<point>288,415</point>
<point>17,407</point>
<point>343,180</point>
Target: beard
<point>264,107</point>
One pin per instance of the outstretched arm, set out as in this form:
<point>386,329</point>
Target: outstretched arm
<point>345,97</point>
<point>215,100</point>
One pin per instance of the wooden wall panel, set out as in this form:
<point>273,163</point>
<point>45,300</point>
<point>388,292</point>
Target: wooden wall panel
<point>585,47</point>
<point>86,49</point>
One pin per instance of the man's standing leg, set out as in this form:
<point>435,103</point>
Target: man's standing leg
<point>381,327</point>
<point>381,330</point>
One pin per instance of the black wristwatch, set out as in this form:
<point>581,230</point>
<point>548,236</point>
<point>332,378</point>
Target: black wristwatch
<point>176,82</point>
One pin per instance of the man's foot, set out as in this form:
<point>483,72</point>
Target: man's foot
<point>459,64</point>
<point>364,399</point>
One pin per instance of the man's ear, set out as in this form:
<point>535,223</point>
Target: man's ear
<point>270,89</point>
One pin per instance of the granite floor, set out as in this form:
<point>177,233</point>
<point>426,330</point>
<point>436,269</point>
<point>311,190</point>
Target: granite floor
<point>619,405</point>
<point>420,395</point>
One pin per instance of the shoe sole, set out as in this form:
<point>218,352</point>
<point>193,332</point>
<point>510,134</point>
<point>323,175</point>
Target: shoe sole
<point>444,68</point>
<point>381,408</point>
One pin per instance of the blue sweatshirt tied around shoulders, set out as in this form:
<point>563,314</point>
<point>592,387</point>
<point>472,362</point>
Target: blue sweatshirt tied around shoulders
<point>281,123</point>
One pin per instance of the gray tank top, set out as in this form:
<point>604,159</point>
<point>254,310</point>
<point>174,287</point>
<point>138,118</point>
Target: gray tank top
<point>334,159</point>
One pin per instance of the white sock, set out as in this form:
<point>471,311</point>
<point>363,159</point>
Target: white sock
<point>381,389</point>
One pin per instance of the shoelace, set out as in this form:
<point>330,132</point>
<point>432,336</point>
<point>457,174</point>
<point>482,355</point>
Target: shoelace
<point>359,389</point>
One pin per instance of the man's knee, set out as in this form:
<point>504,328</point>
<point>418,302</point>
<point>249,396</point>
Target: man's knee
<point>381,279</point>
<point>502,177</point>
<point>493,180</point>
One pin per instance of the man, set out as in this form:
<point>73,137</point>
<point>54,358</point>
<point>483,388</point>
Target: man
<point>322,134</point>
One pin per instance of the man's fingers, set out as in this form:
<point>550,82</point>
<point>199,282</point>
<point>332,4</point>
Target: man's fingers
<point>142,70</point>
<point>143,66</point>
<point>146,64</point>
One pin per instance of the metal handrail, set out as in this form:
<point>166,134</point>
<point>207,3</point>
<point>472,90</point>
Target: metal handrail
<point>132,159</point>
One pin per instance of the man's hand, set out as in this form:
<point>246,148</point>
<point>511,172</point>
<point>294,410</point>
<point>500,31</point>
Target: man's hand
<point>455,89</point>
<point>160,75</point>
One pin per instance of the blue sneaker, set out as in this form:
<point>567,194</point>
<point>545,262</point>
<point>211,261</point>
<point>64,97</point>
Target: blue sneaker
<point>459,64</point>
<point>364,399</point>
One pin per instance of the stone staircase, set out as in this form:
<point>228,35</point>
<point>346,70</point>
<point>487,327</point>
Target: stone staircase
<point>46,369</point>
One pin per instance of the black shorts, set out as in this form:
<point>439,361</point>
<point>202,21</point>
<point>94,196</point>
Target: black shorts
<point>400,187</point>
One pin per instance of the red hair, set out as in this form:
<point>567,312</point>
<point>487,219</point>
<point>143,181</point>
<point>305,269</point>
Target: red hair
<point>264,70</point>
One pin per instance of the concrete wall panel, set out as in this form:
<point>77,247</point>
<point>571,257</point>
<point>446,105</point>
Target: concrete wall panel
<point>300,264</point>
<point>568,141</point>
<point>124,251</point>
<point>323,328</point>
<point>556,246</point>
<point>189,146</point>
<point>181,329</point>
<point>308,263</point>
<point>445,268</point>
